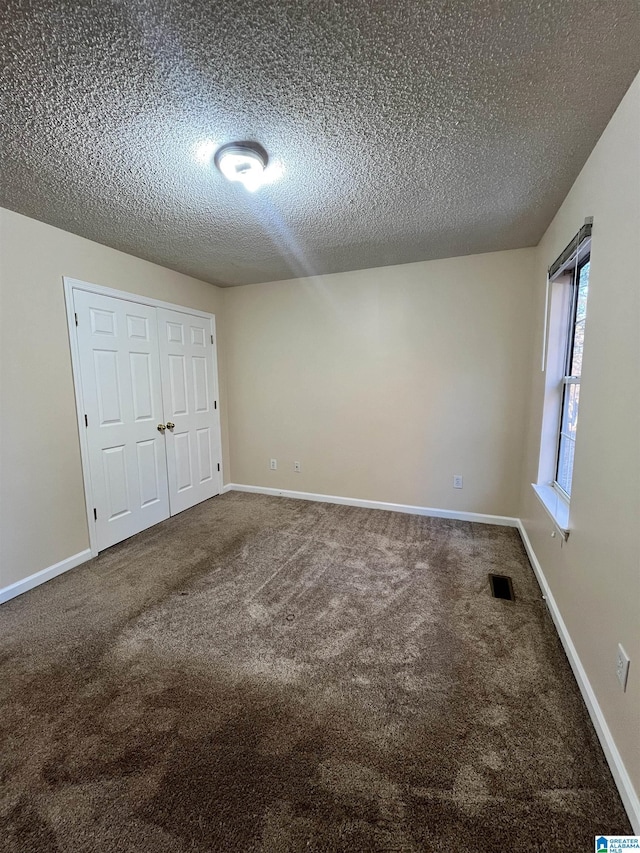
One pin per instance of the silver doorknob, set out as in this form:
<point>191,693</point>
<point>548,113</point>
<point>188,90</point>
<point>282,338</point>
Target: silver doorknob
<point>170,425</point>
<point>161,427</point>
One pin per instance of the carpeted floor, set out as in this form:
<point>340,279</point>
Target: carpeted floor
<point>261,674</point>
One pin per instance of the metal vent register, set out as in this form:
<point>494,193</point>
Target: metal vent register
<point>502,587</point>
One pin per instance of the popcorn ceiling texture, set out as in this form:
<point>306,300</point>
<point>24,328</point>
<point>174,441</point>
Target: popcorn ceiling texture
<point>406,130</point>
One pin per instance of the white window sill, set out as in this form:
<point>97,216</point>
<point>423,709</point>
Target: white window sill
<point>556,505</point>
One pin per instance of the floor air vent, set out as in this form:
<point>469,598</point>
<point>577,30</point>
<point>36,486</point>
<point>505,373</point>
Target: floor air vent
<point>501,587</point>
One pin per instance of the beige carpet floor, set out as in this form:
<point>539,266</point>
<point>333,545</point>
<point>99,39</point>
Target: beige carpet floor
<point>260,674</point>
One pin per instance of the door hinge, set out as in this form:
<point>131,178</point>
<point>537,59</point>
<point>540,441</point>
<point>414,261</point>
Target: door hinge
<point>95,514</point>
<point>215,404</point>
<point>86,421</point>
<point>76,316</point>
<point>211,338</point>
<point>218,466</point>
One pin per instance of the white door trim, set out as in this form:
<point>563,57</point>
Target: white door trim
<point>71,284</point>
<point>77,284</point>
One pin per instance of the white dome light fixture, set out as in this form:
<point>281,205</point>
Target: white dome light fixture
<point>244,162</point>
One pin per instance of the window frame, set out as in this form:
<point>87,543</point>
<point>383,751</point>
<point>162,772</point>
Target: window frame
<point>558,349</point>
<point>568,379</point>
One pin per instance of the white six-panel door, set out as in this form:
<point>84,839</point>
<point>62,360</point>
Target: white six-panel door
<point>121,390</point>
<point>149,393</point>
<point>190,408</point>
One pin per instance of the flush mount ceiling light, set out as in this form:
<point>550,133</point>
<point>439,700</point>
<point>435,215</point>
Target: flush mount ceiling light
<point>244,162</point>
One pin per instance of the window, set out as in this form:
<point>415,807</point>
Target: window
<point>571,378</point>
<point>563,345</point>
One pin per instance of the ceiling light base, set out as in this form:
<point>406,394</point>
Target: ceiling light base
<point>244,162</point>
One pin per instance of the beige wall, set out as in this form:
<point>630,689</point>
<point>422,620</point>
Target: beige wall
<point>595,576</point>
<point>42,510</point>
<point>384,383</point>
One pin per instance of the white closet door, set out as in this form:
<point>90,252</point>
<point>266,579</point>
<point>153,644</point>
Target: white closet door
<point>122,394</point>
<point>189,395</point>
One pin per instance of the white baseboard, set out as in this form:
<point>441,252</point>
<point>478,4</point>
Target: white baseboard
<point>503,520</point>
<point>625,787</point>
<point>44,575</point>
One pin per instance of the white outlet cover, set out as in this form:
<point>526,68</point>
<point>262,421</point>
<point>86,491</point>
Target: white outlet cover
<point>622,667</point>
<point>274,464</point>
<point>457,481</point>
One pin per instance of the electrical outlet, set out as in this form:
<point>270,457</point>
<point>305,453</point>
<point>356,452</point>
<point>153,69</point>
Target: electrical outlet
<point>274,464</point>
<point>297,467</point>
<point>457,481</point>
<point>622,667</point>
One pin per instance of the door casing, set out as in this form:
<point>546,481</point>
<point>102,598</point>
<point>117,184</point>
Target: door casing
<point>71,284</point>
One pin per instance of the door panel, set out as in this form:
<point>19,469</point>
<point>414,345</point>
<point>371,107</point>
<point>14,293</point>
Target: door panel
<point>140,367</point>
<point>107,379</point>
<point>183,461</point>
<point>115,474</point>
<point>193,451</point>
<point>148,474</point>
<point>205,469</point>
<point>200,384</point>
<point>177,401</point>
<point>122,394</point>
<point>103,322</point>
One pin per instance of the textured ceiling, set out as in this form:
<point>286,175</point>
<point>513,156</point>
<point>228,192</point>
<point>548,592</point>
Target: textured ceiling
<point>405,130</point>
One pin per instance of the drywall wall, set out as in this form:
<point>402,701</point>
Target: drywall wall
<point>384,383</point>
<point>43,516</point>
<point>595,575</point>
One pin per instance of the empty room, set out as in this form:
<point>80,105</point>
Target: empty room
<point>320,419</point>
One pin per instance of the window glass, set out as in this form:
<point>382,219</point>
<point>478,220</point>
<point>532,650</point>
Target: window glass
<point>571,382</point>
<point>581,313</point>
